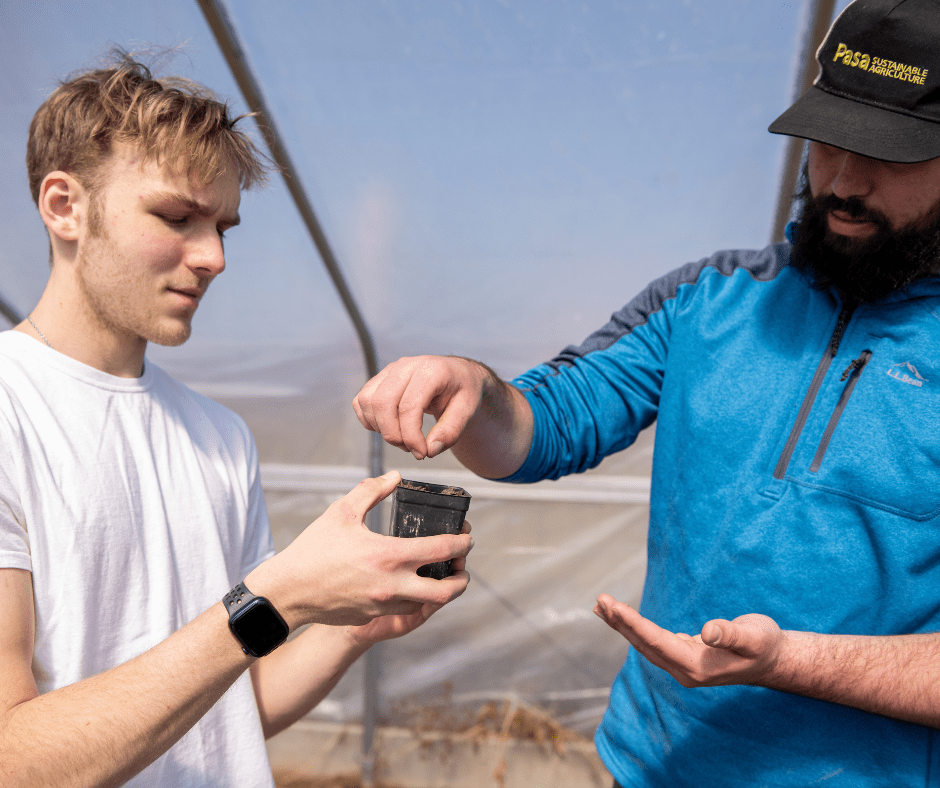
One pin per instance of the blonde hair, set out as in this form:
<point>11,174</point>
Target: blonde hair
<point>173,121</point>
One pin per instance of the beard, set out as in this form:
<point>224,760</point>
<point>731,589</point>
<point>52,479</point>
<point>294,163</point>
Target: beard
<point>862,270</point>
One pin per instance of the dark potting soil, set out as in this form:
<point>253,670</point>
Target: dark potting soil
<point>423,487</point>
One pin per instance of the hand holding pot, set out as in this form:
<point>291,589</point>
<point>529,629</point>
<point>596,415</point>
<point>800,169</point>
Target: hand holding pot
<point>396,626</point>
<point>339,572</point>
<point>420,509</point>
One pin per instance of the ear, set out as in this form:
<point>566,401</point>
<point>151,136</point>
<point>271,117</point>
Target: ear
<point>63,205</point>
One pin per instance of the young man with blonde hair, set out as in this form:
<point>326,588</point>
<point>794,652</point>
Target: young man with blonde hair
<point>130,505</point>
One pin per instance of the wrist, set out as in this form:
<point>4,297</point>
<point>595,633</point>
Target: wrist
<point>354,640</point>
<point>497,437</point>
<point>263,581</point>
<point>788,661</point>
<point>254,621</point>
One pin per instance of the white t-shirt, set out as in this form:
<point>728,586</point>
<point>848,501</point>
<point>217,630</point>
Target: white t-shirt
<point>136,504</point>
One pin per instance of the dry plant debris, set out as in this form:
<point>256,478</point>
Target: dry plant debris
<point>287,779</point>
<point>504,719</point>
<point>501,721</point>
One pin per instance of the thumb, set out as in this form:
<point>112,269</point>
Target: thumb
<point>369,492</point>
<point>451,423</point>
<point>720,634</point>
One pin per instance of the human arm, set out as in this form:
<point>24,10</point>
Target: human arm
<point>293,679</point>
<point>895,676</point>
<point>104,729</point>
<point>484,420</point>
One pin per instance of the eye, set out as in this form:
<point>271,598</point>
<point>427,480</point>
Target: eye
<point>176,221</point>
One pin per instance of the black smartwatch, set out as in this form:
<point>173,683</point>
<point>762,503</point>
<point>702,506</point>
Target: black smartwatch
<point>254,622</point>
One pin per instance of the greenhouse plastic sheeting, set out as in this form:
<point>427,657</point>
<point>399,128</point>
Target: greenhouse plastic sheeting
<point>496,178</point>
<point>524,629</point>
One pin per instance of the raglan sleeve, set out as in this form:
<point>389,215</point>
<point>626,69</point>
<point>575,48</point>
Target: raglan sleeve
<point>593,399</point>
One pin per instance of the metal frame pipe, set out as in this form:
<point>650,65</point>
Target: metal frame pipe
<point>10,312</point>
<point>226,36</point>
<point>819,18</point>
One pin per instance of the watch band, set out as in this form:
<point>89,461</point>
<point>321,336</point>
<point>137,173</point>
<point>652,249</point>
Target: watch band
<point>254,621</point>
<point>237,597</point>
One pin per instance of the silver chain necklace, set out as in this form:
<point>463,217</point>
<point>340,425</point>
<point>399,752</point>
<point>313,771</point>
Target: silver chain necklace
<point>38,331</point>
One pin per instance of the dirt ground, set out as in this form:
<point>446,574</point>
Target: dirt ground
<point>502,720</point>
<point>287,780</point>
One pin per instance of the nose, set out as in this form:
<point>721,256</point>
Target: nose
<point>207,255</point>
<point>853,175</point>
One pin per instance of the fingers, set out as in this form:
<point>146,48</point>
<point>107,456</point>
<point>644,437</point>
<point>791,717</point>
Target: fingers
<point>337,571</point>
<point>717,634</point>
<point>420,550</point>
<point>368,493</point>
<point>744,635</point>
<point>726,652</point>
<point>438,592</point>
<point>658,645</point>
<point>679,654</point>
<point>429,384</point>
<point>390,626</point>
<point>452,422</point>
<point>620,617</point>
<point>611,610</point>
<point>362,402</point>
<point>395,401</point>
<point>750,635</point>
<point>377,403</point>
<point>460,562</point>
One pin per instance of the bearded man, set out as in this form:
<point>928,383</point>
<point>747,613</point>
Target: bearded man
<point>794,513</point>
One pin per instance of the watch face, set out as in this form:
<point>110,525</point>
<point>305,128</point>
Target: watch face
<point>259,627</point>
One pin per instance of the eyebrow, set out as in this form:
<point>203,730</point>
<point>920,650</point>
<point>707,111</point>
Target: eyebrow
<point>190,204</point>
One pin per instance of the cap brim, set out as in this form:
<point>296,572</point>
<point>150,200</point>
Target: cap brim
<point>860,128</point>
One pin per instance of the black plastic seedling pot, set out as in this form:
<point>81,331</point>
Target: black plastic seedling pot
<point>422,509</point>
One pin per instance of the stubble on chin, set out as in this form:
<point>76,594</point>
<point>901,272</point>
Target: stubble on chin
<point>110,303</point>
<point>171,338</point>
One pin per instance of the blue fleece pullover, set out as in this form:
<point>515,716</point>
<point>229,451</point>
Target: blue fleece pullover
<point>796,473</point>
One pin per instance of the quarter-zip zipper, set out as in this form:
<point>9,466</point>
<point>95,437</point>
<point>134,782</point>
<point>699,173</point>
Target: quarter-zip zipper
<point>815,384</point>
<point>852,372</point>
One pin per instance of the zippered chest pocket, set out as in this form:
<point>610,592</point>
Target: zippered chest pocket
<point>881,441</point>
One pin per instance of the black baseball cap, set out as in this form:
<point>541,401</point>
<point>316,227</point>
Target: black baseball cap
<point>878,90</point>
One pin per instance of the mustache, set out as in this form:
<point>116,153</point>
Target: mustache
<point>854,208</point>
<point>864,270</point>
